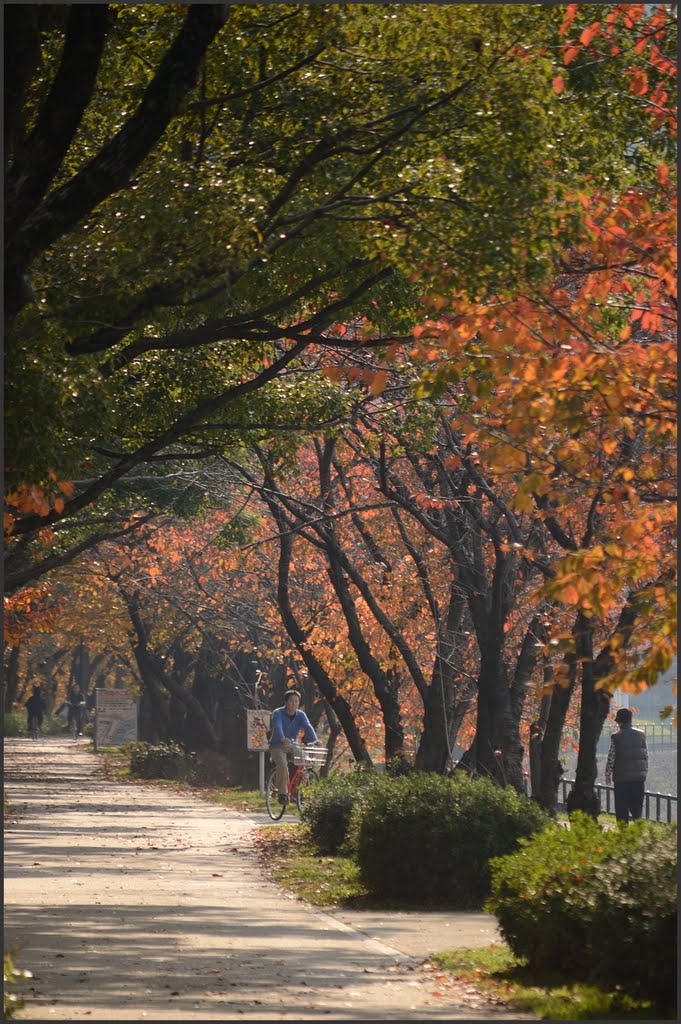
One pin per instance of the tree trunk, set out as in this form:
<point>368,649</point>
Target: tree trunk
<point>595,707</point>
<point>153,674</point>
<point>11,684</point>
<point>537,732</point>
<point>441,710</point>
<point>317,672</point>
<point>393,730</point>
<point>583,796</point>
<point>551,767</point>
<point>154,718</point>
<point>510,704</point>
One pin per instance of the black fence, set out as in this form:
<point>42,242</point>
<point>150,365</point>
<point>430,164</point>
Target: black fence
<point>659,736</point>
<point>656,806</point>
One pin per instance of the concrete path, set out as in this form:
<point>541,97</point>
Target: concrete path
<point>134,902</point>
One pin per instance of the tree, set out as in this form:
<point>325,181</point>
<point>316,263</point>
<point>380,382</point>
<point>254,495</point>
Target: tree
<point>597,349</point>
<point>302,156</point>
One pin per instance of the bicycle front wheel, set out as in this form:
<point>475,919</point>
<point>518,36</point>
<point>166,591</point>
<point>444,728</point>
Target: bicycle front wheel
<point>274,808</point>
<point>309,776</point>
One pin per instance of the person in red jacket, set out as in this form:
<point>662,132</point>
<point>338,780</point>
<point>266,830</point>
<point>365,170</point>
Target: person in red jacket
<point>627,767</point>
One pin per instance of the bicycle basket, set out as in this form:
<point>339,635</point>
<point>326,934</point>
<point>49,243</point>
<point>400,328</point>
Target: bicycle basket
<point>313,757</point>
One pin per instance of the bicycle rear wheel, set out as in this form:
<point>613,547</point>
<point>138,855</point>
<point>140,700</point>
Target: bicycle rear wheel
<point>309,776</point>
<point>274,808</point>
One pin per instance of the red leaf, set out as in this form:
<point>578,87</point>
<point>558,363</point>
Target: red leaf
<point>570,14</point>
<point>589,33</point>
<point>639,83</point>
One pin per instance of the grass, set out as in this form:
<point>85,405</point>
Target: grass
<point>498,972</point>
<point>291,860</point>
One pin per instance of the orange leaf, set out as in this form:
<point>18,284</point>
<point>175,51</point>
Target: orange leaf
<point>662,174</point>
<point>570,14</point>
<point>639,83</point>
<point>558,84</point>
<point>379,382</point>
<point>589,33</point>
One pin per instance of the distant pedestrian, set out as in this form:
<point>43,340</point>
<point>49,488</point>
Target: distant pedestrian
<point>627,767</point>
<point>35,708</point>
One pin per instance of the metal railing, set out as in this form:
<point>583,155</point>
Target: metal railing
<point>653,803</point>
<point>659,736</point>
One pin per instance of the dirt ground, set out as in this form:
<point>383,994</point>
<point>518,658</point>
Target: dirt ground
<point>131,902</point>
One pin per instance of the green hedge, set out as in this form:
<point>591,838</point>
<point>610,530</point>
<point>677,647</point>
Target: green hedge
<point>159,761</point>
<point>595,904</point>
<point>429,839</point>
<point>330,805</point>
<point>15,723</point>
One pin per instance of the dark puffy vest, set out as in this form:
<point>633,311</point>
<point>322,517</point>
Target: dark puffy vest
<point>630,755</point>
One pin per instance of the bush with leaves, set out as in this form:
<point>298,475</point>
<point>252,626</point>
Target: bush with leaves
<point>160,761</point>
<point>595,904</point>
<point>15,724</point>
<point>426,839</point>
<point>11,1001</point>
<point>210,768</point>
<point>330,804</point>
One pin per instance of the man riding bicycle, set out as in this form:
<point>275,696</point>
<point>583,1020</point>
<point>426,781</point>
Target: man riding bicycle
<point>75,704</point>
<point>287,724</point>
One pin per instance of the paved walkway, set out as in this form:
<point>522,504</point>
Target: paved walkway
<point>133,902</point>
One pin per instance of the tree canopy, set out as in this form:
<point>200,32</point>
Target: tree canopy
<point>195,195</point>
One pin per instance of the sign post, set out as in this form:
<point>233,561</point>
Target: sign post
<point>257,724</point>
<point>115,718</point>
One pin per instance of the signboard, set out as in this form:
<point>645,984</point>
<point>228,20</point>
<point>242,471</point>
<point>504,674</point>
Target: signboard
<point>115,718</point>
<point>257,724</point>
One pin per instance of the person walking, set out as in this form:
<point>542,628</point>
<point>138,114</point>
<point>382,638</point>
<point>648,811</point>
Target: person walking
<point>287,724</point>
<point>35,711</point>
<point>627,767</point>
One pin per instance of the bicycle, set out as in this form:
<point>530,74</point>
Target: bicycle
<point>34,727</point>
<point>305,759</point>
<point>77,722</point>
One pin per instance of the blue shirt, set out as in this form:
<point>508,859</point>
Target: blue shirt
<point>289,726</point>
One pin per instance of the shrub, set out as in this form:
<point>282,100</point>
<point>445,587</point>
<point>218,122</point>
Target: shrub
<point>15,724</point>
<point>600,905</point>
<point>210,768</point>
<point>330,804</point>
<point>426,838</point>
<point>11,1002</point>
<point>160,761</point>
